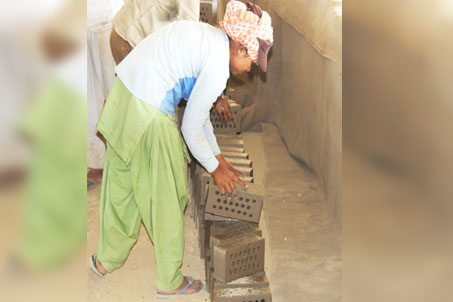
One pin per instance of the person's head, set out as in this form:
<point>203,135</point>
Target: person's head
<point>240,60</point>
<point>251,35</point>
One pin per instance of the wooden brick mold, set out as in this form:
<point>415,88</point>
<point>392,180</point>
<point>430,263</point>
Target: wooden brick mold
<point>247,205</point>
<point>242,294</point>
<point>232,126</point>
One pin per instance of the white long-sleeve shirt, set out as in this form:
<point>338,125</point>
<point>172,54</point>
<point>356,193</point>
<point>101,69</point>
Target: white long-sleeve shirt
<point>188,60</point>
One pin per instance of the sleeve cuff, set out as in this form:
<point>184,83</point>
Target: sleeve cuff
<point>216,149</point>
<point>211,164</point>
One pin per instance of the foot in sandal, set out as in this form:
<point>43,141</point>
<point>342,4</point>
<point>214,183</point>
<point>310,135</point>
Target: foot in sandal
<point>189,287</point>
<point>97,267</point>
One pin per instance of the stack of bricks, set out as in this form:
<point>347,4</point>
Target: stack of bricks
<point>229,238</point>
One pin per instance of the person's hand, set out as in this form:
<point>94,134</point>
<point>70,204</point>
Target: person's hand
<point>225,177</point>
<point>222,161</point>
<point>223,109</point>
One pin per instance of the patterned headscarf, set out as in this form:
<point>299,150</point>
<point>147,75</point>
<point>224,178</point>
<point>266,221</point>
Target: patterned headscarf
<point>247,25</point>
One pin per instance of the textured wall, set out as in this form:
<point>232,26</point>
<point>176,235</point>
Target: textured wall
<point>301,94</point>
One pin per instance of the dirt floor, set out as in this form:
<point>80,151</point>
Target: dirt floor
<point>303,258</point>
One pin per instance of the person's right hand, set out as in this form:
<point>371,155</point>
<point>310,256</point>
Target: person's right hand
<point>223,109</point>
<point>225,179</point>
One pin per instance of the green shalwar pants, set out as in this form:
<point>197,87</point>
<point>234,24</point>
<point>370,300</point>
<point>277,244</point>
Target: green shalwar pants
<point>149,184</point>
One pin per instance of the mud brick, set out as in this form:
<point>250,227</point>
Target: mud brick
<point>236,162</point>
<point>237,259</point>
<point>229,234</point>
<point>205,180</point>
<point>204,240</point>
<point>238,143</point>
<point>206,12</point>
<point>234,229</point>
<point>248,281</point>
<point>228,136</point>
<point>192,183</point>
<point>212,217</point>
<point>209,278</point>
<point>200,220</point>
<point>247,205</point>
<point>199,203</point>
<point>232,126</point>
<point>196,172</point>
<point>248,179</point>
<point>256,280</point>
<point>226,231</point>
<point>226,227</point>
<point>189,210</point>
<point>242,294</point>
<point>248,171</point>
<point>231,149</point>
<point>238,155</point>
<point>201,234</point>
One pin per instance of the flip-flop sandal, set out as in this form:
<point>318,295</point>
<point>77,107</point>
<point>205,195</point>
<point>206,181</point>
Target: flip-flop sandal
<point>181,292</point>
<point>91,182</point>
<point>94,267</point>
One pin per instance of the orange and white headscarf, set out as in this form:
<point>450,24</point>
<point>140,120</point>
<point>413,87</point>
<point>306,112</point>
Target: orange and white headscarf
<point>246,27</point>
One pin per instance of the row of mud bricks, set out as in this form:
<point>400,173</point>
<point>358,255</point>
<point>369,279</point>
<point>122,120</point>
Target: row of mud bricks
<point>229,238</point>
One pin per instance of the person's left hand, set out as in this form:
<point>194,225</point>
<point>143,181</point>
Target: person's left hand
<point>225,112</point>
